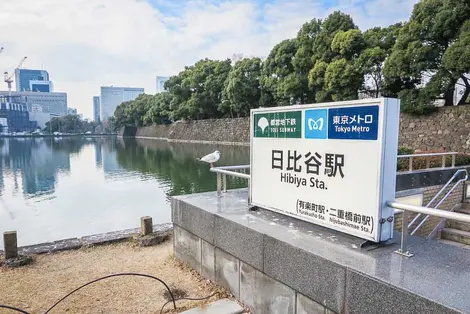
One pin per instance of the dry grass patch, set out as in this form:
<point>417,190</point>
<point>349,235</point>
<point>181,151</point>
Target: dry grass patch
<point>37,287</point>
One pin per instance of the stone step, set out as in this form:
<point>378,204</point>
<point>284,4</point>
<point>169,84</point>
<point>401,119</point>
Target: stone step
<point>458,225</point>
<point>224,306</point>
<point>457,244</point>
<point>466,205</point>
<point>463,211</point>
<point>456,235</point>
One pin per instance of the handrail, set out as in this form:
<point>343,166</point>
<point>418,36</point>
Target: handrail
<point>438,194</point>
<point>441,201</point>
<point>430,211</point>
<point>222,173</point>
<point>410,165</point>
<point>421,210</point>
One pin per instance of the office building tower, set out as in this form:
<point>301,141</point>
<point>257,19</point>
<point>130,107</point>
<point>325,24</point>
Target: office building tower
<point>161,83</point>
<point>14,115</point>
<point>24,76</point>
<point>41,86</point>
<point>96,108</point>
<point>111,97</point>
<point>53,103</point>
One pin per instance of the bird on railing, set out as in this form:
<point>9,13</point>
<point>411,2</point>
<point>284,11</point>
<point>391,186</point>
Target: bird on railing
<point>211,158</point>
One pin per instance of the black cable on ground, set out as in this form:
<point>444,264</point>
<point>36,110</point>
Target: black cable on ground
<point>190,299</point>
<point>15,309</point>
<point>110,276</point>
<point>116,275</point>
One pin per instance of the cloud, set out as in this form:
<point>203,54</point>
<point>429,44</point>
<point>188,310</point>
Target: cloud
<point>85,44</point>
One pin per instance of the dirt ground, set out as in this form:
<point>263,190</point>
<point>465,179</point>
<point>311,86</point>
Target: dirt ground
<point>37,287</point>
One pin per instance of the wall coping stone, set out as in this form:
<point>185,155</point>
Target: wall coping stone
<point>436,278</point>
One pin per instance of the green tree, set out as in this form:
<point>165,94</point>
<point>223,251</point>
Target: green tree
<point>378,47</point>
<point>336,74</point>
<point>242,90</point>
<point>69,124</point>
<point>158,111</point>
<point>428,58</point>
<point>276,68</point>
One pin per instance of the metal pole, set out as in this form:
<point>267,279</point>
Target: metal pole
<point>411,164</point>
<point>443,161</point>
<point>219,184</point>
<point>403,250</point>
<point>428,163</point>
<point>453,160</point>
<point>225,182</point>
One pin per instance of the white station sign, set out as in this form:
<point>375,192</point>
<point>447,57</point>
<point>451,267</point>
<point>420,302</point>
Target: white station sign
<point>332,164</point>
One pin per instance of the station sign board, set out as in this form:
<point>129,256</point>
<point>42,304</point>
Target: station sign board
<point>332,164</point>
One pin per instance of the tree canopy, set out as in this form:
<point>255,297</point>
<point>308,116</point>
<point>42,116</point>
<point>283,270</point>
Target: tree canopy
<point>419,61</point>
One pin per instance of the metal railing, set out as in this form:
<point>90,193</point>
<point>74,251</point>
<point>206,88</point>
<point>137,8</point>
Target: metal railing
<point>222,173</point>
<point>456,174</point>
<point>428,161</point>
<point>403,250</point>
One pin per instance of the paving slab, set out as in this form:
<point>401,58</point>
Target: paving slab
<point>224,306</point>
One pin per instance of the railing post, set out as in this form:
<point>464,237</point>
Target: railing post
<point>443,161</point>
<point>428,163</point>
<point>403,250</point>
<point>453,160</point>
<point>411,164</point>
<point>225,182</point>
<point>219,184</point>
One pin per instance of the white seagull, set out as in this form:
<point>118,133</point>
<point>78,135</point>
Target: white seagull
<point>211,158</point>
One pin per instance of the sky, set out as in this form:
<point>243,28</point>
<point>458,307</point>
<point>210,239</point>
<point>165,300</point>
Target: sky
<point>85,44</point>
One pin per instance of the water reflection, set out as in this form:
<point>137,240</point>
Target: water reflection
<point>58,188</point>
<point>176,164</point>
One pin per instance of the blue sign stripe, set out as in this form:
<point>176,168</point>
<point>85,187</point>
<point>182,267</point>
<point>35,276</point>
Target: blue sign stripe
<point>353,123</point>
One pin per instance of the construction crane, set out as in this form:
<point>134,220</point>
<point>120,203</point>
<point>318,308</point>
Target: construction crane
<point>9,78</point>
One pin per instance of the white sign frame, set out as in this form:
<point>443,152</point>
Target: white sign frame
<point>388,128</point>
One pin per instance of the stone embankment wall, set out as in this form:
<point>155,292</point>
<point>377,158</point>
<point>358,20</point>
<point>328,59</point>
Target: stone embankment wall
<point>448,129</point>
<point>229,131</point>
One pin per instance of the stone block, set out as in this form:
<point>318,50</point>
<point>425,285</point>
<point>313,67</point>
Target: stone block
<point>146,226</point>
<point>227,272</point>
<point>308,306</point>
<point>10,244</point>
<point>208,261</point>
<point>263,294</point>
<point>187,248</point>
<point>240,241</point>
<point>224,306</point>
<point>193,219</point>
<point>367,295</point>
<point>248,290</point>
<point>290,265</point>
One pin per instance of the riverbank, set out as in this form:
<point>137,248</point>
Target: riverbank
<point>37,287</point>
<point>447,129</point>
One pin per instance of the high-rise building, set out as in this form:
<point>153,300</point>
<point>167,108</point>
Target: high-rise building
<point>41,86</point>
<point>24,76</point>
<point>111,97</point>
<point>161,83</point>
<point>96,108</point>
<point>53,103</point>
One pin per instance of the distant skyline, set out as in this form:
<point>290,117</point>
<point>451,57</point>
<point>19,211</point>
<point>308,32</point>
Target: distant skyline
<point>88,44</point>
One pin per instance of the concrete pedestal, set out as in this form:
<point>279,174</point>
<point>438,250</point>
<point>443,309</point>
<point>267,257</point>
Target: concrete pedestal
<point>277,264</point>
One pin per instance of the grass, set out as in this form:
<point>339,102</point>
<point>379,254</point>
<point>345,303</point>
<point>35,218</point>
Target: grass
<point>37,287</point>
